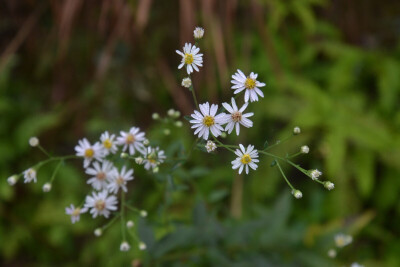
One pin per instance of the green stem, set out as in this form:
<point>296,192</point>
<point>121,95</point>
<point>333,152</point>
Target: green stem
<point>56,170</point>
<point>284,176</point>
<point>132,208</point>
<point>44,151</point>
<point>222,145</point>
<point>111,222</point>
<point>278,142</point>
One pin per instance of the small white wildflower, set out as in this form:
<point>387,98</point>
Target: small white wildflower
<point>332,253</point>
<point>210,146</point>
<point>143,213</point>
<point>235,118</point>
<point>315,174</point>
<point>108,144</point>
<point>297,194</point>
<point>153,157</point>
<point>355,264</point>
<point>100,175</point>
<point>74,212</point>
<point>207,121</point>
<point>98,232</point>
<point>329,185</point>
<point>296,130</point>
<point>178,124</point>
<point>46,187</point>
<point>191,58</point>
<point>124,246</point>
<point>12,180</point>
<point>186,82</point>
<point>171,112</point>
<point>101,204</point>
<point>142,246</point>
<point>155,116</point>
<point>246,157</point>
<point>146,142</point>
<point>304,149</point>
<point>198,33</point>
<point>130,224</point>
<point>342,240</point>
<point>119,180</point>
<point>33,141</point>
<point>167,131</point>
<point>30,175</point>
<point>89,152</point>
<point>250,84</point>
<point>132,140</point>
<point>139,160</point>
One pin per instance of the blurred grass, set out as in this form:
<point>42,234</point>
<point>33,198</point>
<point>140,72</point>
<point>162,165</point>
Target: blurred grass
<point>70,69</point>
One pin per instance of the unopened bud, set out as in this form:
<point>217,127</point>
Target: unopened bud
<point>167,131</point>
<point>171,112</point>
<point>124,155</point>
<point>178,124</point>
<point>297,194</point>
<point>143,213</point>
<point>142,246</point>
<point>12,180</point>
<point>46,187</point>
<point>155,170</point>
<point>329,185</point>
<point>304,149</point>
<point>155,116</point>
<point>98,232</point>
<point>130,224</point>
<point>296,130</point>
<point>33,141</point>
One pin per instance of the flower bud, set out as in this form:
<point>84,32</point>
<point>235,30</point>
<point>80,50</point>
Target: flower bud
<point>33,141</point>
<point>304,149</point>
<point>156,169</point>
<point>142,246</point>
<point>198,33</point>
<point>297,194</point>
<point>46,187</point>
<point>167,131</point>
<point>130,224</point>
<point>329,185</point>
<point>171,112</point>
<point>124,155</point>
<point>155,116</point>
<point>186,82</point>
<point>177,114</point>
<point>178,124</point>
<point>124,246</point>
<point>12,180</point>
<point>332,253</point>
<point>98,232</point>
<point>296,130</point>
<point>143,213</point>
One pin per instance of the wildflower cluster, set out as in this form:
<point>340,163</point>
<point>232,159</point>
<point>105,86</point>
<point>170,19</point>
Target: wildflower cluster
<point>210,121</point>
<point>342,240</point>
<point>108,181</point>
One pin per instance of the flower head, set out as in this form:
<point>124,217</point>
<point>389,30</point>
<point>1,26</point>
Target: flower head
<point>186,82</point>
<point>101,204</point>
<point>235,118</point>
<point>250,84</point>
<point>132,140</point>
<point>198,33</point>
<point>119,180</point>
<point>315,174</point>
<point>153,157</point>
<point>74,212</point>
<point>33,141</point>
<point>342,240</point>
<point>101,175</point>
<point>207,121</point>
<point>329,185</point>
<point>30,175</point>
<point>210,146</point>
<point>89,152</point>
<point>191,58</point>
<point>304,149</point>
<point>108,143</point>
<point>246,157</point>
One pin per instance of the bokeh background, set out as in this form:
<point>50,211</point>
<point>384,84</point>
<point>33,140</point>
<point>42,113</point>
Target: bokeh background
<point>73,68</point>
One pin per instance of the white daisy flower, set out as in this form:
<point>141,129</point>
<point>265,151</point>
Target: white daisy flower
<point>241,82</point>
<point>246,157</point>
<point>315,174</point>
<point>88,151</point>
<point>236,117</point>
<point>210,146</point>
<point>30,175</point>
<point>108,143</point>
<point>132,140</point>
<point>119,180</point>
<point>153,157</point>
<point>74,212</point>
<point>186,82</point>
<point>342,240</point>
<point>101,175</point>
<point>191,58</point>
<point>101,204</point>
<point>198,33</point>
<point>206,121</point>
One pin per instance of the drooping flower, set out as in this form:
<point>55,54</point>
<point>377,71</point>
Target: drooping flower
<point>89,152</point>
<point>101,203</point>
<point>153,157</point>
<point>74,212</point>
<point>108,143</point>
<point>207,121</point>
<point>250,84</point>
<point>246,157</point>
<point>236,117</point>
<point>101,175</point>
<point>191,58</point>
<point>119,180</point>
<point>132,140</point>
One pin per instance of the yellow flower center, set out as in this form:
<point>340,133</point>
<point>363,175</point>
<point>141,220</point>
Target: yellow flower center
<point>101,176</point>
<point>188,59</point>
<point>76,212</point>
<point>107,143</point>
<point>100,205</point>
<point>250,83</point>
<point>246,159</point>
<point>237,116</point>
<point>208,121</point>
<point>89,153</point>
<point>120,180</point>
<point>130,139</point>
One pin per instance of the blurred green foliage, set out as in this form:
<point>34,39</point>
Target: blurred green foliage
<point>78,77</point>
